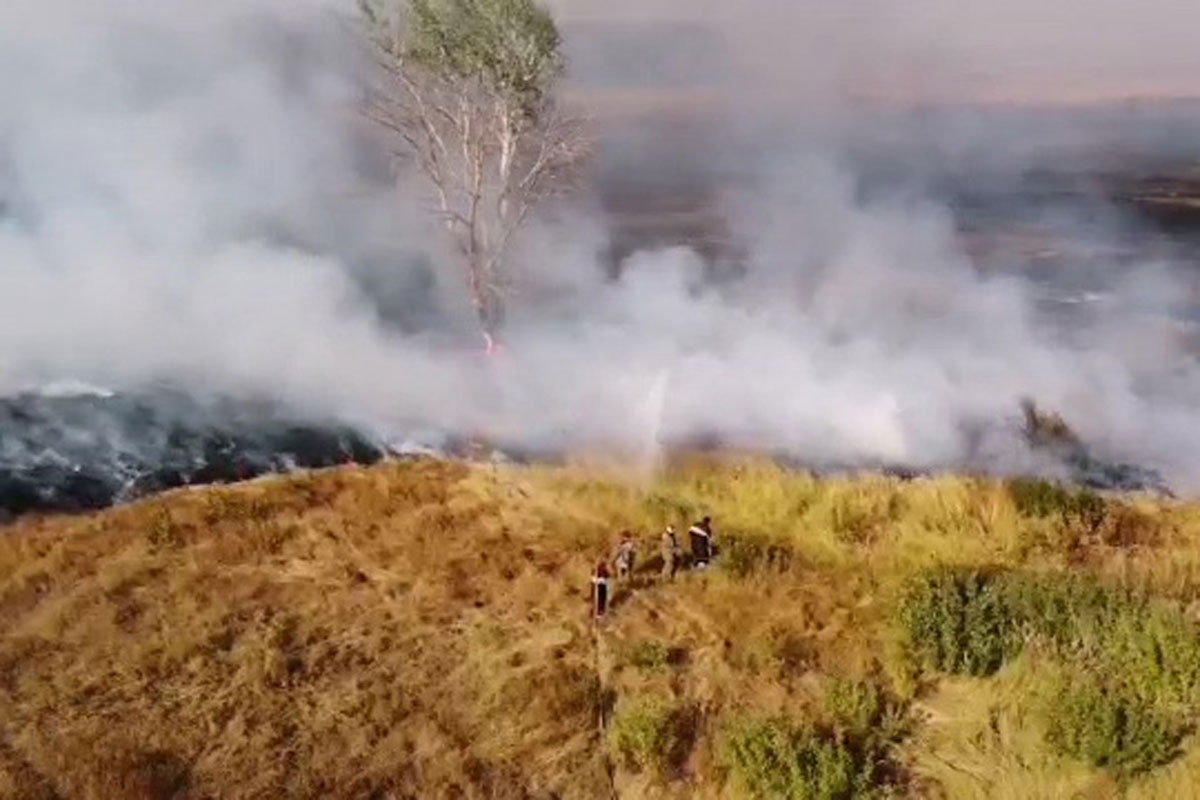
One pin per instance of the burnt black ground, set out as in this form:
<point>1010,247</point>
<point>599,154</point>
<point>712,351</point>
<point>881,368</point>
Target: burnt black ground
<point>86,451</point>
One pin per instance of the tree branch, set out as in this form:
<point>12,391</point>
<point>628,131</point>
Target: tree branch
<point>477,116</point>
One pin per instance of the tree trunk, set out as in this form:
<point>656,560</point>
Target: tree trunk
<point>487,302</point>
<point>491,318</point>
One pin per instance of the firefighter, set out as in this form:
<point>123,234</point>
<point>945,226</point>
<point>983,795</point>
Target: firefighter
<point>626,554</point>
<point>701,537</point>
<point>670,553</point>
<point>600,589</point>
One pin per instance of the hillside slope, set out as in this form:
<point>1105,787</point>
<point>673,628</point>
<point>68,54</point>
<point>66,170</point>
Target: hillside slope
<point>422,630</point>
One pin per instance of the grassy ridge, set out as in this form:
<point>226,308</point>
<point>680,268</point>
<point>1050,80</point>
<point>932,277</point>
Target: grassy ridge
<point>421,630</point>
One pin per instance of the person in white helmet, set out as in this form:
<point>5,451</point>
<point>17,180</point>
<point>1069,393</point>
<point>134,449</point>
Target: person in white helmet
<point>626,554</point>
<point>701,541</point>
<point>670,553</point>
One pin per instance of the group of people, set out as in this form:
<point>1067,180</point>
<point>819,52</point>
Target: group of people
<point>702,549</point>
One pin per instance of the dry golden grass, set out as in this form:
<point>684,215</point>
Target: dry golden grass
<point>422,630</point>
<point>358,633</point>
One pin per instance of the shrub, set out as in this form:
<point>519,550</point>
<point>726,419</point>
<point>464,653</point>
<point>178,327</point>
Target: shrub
<point>1088,510</point>
<point>1107,727</point>
<point>1148,645</point>
<point>650,654</point>
<point>969,621</point>
<point>743,555</point>
<point>1042,499</point>
<point>858,519</point>
<point>792,652</point>
<point>1061,609</point>
<point>164,533</point>
<point>1129,527</point>
<point>1152,647</point>
<point>856,706</point>
<point>960,620</point>
<point>774,759</point>
<point>644,733</point>
<point>1139,655</point>
<point>1034,497</point>
<point>863,710</point>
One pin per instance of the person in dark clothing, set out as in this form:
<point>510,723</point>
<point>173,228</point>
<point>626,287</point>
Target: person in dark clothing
<point>700,535</point>
<point>600,589</point>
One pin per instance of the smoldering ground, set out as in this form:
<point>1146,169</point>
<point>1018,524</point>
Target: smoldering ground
<point>189,195</point>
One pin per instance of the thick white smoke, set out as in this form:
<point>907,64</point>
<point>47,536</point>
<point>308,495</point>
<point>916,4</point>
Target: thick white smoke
<point>186,192</point>
<point>181,200</point>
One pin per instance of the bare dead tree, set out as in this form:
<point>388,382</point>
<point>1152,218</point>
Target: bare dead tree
<point>466,89</point>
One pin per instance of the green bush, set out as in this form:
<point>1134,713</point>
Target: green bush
<point>857,520</point>
<point>1089,511</point>
<point>1107,727</point>
<point>774,759</point>
<point>960,620</point>
<point>863,710</point>
<point>1151,647</point>
<point>1130,654</point>
<point>969,621</point>
<point>644,733</point>
<point>1126,635</point>
<point>856,706</point>
<point>744,555</point>
<point>1038,498</point>
<point>650,654</point>
<point>1043,499</point>
<point>1127,526</point>
<point>1056,608</point>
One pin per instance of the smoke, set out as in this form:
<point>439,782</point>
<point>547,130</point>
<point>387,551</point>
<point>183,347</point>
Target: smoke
<point>184,198</point>
<point>925,50</point>
<point>188,194</point>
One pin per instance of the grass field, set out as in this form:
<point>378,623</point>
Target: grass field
<point>421,630</point>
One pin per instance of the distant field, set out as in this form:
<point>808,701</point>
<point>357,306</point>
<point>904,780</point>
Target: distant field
<point>1096,188</point>
<point>421,630</point>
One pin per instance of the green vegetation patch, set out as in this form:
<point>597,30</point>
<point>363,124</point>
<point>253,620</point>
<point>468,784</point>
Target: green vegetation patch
<point>847,754</point>
<point>745,555</point>
<point>863,710</point>
<point>1039,498</point>
<point>971,620</point>
<point>1135,661</point>
<point>1110,727</point>
<point>775,758</point>
<point>961,621</point>
<point>1077,516</point>
<point>650,654</point>
<point>645,733</point>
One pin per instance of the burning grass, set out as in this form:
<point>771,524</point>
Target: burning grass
<point>421,630</point>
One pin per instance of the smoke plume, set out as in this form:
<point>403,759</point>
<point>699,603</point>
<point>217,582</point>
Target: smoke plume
<point>188,194</point>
